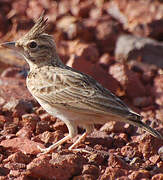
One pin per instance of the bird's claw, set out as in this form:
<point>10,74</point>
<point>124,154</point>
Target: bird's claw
<point>43,150</point>
<point>80,150</point>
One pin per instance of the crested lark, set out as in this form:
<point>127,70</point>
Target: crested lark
<point>72,96</point>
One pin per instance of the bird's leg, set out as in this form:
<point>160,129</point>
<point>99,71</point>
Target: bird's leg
<point>72,133</point>
<point>78,141</point>
<point>89,129</point>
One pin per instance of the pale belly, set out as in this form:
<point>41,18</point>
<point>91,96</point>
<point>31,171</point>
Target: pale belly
<point>78,118</point>
<point>63,114</point>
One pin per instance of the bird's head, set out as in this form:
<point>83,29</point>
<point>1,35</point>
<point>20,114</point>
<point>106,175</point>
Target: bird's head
<point>36,46</point>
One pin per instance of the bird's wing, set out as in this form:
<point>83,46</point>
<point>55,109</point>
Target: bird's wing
<point>69,89</point>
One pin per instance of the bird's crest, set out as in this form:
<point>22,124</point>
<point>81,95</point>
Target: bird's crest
<point>38,29</point>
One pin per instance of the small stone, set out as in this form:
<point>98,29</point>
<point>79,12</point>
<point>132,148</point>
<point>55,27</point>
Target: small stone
<point>10,128</point>
<point>46,168</point>
<point>30,120</point>
<point>18,157</point>
<point>113,173</point>
<point>22,144</point>
<point>130,151</point>
<point>117,162</point>
<point>84,51</point>
<point>100,138</point>
<point>51,137</point>
<point>106,33</point>
<point>45,117</point>
<point>15,166</point>
<point>18,107</point>
<point>149,145</point>
<point>61,126</point>
<point>91,170</point>
<point>25,132</point>
<point>42,126</point>
<point>116,127</point>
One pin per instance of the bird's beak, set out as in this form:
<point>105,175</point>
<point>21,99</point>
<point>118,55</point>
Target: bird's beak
<point>10,45</point>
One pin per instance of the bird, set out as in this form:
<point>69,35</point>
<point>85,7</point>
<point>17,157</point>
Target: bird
<point>72,96</point>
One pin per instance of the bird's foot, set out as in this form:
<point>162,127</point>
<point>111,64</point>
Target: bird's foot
<point>44,150</point>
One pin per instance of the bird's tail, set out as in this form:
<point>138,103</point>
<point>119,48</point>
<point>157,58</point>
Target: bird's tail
<point>135,119</point>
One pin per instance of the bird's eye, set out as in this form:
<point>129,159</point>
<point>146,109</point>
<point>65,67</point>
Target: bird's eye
<point>32,44</point>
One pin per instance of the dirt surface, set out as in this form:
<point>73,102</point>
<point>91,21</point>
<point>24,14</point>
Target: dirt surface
<point>96,37</point>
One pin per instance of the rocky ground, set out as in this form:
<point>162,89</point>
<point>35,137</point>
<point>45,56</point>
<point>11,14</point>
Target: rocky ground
<point>119,44</point>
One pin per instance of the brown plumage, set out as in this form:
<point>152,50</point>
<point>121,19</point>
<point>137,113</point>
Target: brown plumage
<point>74,97</point>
